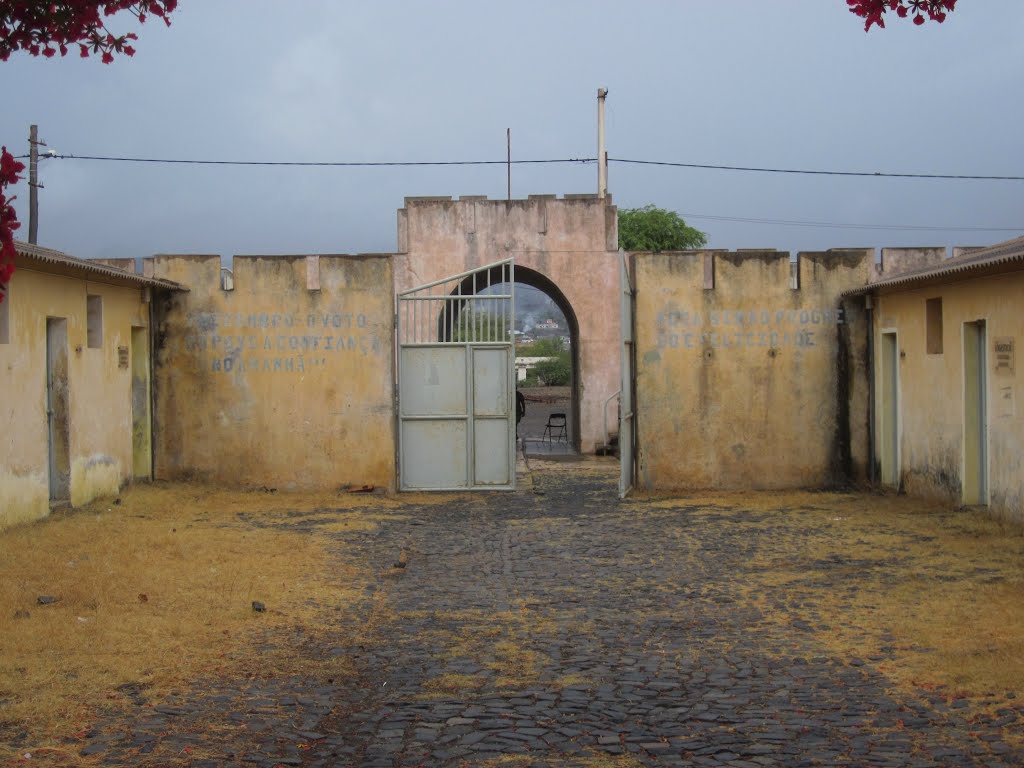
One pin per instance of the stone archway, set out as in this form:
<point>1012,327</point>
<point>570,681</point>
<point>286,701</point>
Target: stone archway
<point>567,247</point>
<point>524,275</point>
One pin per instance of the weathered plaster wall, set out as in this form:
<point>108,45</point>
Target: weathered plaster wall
<point>742,381</point>
<point>284,381</point>
<point>931,399</point>
<point>99,392</point>
<point>573,242</point>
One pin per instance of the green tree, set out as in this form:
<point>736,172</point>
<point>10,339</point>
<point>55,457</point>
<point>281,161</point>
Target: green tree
<point>474,325</point>
<point>655,229</point>
<point>556,371</point>
<point>552,347</point>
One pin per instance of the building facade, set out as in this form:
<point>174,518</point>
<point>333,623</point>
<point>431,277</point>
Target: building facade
<point>744,370</point>
<point>74,365</point>
<point>946,384</point>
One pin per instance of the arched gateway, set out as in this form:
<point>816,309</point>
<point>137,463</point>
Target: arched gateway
<point>567,247</point>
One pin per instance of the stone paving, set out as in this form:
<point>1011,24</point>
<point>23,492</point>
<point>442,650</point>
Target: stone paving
<point>559,626</point>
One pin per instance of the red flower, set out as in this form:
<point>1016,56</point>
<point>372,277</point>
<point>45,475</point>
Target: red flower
<point>873,11</point>
<point>9,170</point>
<point>42,28</point>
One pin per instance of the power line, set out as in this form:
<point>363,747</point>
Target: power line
<point>321,163</point>
<point>550,161</point>
<point>586,160</point>
<point>839,225</point>
<point>869,174</point>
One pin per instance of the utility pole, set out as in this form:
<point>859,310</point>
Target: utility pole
<point>33,182</point>
<point>602,154</point>
<point>508,141</point>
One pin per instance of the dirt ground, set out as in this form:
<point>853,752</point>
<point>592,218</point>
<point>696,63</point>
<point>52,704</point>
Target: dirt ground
<point>556,625</point>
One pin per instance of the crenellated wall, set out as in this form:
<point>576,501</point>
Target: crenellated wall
<point>748,369</point>
<point>276,374</point>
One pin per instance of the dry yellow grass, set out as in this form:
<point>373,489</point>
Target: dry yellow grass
<point>941,588</point>
<point>500,641</point>
<point>156,591</point>
<point>590,761</point>
<point>453,683</point>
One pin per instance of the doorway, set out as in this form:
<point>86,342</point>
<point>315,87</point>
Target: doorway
<point>889,453</point>
<point>57,411</point>
<point>975,475</point>
<point>547,363</point>
<point>142,463</point>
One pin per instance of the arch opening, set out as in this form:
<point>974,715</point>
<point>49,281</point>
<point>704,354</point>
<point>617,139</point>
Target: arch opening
<point>454,323</point>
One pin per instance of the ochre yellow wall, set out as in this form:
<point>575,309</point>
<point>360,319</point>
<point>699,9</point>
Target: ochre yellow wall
<point>100,412</point>
<point>274,384</point>
<point>931,388</point>
<point>746,384</point>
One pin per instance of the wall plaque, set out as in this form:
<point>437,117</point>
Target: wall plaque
<point>1002,346</point>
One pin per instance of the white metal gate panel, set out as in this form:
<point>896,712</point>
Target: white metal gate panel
<point>456,363</point>
<point>627,423</point>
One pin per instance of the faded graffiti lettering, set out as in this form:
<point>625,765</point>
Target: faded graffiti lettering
<point>297,364</point>
<point>212,322</point>
<point>728,340</point>
<point>277,342</point>
<point>752,317</point>
<point>759,327</point>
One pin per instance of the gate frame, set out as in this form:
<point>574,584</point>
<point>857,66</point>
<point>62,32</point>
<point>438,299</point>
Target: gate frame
<point>445,300</point>
<point>627,396</point>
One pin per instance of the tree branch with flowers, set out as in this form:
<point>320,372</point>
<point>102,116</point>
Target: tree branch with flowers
<point>42,28</point>
<point>46,28</point>
<point>9,170</point>
<point>873,11</point>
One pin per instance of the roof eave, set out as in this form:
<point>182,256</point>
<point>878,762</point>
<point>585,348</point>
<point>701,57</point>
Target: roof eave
<point>57,262</point>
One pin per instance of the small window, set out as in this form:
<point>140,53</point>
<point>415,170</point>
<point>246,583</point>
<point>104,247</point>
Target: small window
<point>94,321</point>
<point>5,318</point>
<point>933,326</point>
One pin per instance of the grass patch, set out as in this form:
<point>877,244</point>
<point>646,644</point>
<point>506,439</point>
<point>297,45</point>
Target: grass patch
<point>590,761</point>
<point>502,643</point>
<point>940,590</point>
<point>452,684</point>
<point>514,665</point>
<point>156,591</point>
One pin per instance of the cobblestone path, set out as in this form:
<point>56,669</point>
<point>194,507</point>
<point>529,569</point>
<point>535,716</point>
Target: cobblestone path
<point>559,626</point>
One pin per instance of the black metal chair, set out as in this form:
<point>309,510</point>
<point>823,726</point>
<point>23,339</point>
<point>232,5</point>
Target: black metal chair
<point>556,429</point>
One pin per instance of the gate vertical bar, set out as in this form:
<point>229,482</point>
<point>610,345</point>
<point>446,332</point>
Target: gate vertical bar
<point>400,307</point>
<point>513,457</point>
<point>627,429</point>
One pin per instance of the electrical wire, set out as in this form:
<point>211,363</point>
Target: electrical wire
<point>839,225</point>
<point>869,174</point>
<point>587,160</point>
<point>572,160</point>
<point>320,163</point>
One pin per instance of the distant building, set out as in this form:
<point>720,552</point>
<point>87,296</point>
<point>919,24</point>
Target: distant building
<point>526,364</point>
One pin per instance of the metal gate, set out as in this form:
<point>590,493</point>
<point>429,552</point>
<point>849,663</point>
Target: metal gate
<point>627,423</point>
<point>456,369</point>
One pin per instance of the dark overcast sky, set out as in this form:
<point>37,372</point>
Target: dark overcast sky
<point>786,83</point>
